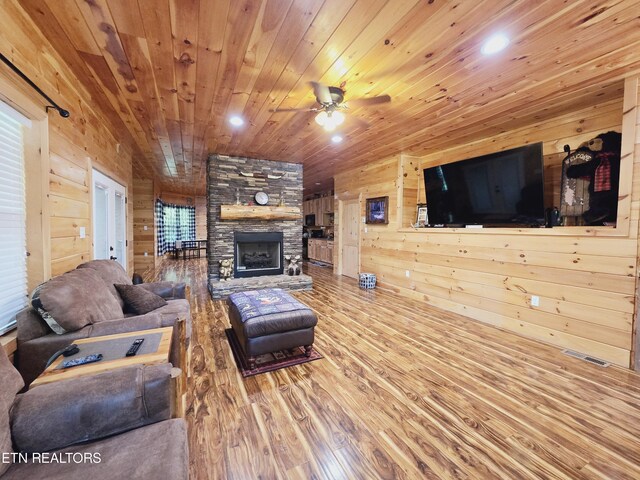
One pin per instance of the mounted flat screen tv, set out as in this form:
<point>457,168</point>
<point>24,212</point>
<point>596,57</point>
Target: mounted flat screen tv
<point>499,189</point>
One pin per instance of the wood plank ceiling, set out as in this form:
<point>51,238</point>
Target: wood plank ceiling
<point>175,70</point>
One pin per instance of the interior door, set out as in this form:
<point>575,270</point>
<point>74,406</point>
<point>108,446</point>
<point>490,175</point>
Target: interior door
<point>350,235</point>
<point>109,219</point>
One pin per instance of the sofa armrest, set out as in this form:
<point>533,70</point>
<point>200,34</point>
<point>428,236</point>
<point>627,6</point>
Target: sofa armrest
<point>67,412</point>
<point>127,324</point>
<point>30,325</point>
<point>167,290</point>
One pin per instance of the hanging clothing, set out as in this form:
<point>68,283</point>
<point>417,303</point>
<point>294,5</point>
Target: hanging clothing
<point>602,175</point>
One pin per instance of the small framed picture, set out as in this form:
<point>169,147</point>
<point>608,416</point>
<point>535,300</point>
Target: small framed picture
<point>378,210</point>
<point>422,218</point>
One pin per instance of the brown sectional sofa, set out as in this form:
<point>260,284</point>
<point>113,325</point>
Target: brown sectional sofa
<point>110,425</point>
<point>91,306</point>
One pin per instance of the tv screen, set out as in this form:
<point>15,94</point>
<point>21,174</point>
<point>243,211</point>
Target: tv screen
<point>500,188</point>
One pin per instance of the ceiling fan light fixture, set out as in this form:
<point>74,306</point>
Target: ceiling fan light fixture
<point>329,120</point>
<point>338,118</point>
<point>321,118</point>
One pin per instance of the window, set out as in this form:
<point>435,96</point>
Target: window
<point>175,223</point>
<point>13,264</point>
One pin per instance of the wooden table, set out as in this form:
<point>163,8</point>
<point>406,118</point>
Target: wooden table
<point>161,355</point>
<point>191,246</point>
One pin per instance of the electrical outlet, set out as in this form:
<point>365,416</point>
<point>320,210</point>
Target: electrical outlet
<point>146,254</point>
<point>366,229</point>
<point>407,273</point>
<point>535,301</point>
<point>146,228</point>
<point>83,232</point>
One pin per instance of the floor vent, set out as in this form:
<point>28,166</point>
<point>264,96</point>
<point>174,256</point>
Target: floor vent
<point>586,358</point>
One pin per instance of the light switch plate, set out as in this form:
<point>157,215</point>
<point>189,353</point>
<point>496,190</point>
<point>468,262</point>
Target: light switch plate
<point>83,232</point>
<point>146,228</point>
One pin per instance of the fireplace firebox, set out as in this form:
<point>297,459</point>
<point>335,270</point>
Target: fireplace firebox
<point>257,254</point>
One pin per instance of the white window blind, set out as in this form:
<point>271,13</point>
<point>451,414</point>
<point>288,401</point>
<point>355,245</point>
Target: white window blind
<point>13,265</point>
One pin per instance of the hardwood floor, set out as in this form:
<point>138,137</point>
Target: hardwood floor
<point>404,391</point>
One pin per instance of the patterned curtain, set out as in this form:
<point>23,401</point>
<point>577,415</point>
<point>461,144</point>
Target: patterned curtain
<point>176,222</point>
<point>160,227</point>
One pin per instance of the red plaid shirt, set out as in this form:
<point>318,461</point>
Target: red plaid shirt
<point>602,177</point>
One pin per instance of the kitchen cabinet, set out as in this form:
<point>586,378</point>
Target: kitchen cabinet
<point>312,246</point>
<point>327,204</point>
<point>319,207</point>
<point>320,249</point>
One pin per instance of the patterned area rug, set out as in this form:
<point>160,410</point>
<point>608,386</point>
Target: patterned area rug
<point>270,361</point>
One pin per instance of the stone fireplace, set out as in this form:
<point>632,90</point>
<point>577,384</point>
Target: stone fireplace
<point>257,254</point>
<point>255,237</point>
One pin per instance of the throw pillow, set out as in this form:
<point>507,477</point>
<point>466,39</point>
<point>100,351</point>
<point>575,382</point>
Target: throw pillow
<point>36,303</point>
<point>139,300</point>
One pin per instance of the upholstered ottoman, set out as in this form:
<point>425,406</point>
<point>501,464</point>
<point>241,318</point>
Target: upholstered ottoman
<point>269,320</point>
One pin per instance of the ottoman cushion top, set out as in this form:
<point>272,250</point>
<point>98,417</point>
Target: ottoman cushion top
<point>267,311</point>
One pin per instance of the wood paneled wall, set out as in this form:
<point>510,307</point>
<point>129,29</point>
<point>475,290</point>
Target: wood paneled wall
<point>77,144</point>
<point>585,281</point>
<point>201,217</point>
<point>144,226</point>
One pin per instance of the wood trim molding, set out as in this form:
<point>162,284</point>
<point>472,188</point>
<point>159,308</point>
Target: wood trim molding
<point>249,212</point>
<point>629,131</point>
<point>36,153</point>
<point>9,342</point>
<point>630,140</point>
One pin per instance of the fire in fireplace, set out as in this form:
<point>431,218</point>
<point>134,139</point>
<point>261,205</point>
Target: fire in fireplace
<point>257,254</point>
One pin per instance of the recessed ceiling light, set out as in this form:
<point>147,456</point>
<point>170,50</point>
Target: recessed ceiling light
<point>336,139</point>
<point>236,121</point>
<point>494,44</point>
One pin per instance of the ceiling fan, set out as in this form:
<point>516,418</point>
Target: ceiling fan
<point>331,101</point>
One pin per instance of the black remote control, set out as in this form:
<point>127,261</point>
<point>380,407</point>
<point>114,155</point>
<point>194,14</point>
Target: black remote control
<point>66,351</point>
<point>134,347</point>
<point>70,350</point>
<point>96,357</point>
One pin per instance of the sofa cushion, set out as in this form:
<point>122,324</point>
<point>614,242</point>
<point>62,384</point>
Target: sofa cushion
<point>174,309</point>
<point>157,451</point>
<point>77,410</point>
<point>78,298</point>
<point>111,272</point>
<point>139,300</point>
<point>11,383</point>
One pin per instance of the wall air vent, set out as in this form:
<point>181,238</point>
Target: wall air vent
<point>586,358</point>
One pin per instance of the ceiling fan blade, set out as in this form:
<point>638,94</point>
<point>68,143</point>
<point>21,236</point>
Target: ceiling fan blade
<point>363,124</point>
<point>322,93</point>
<point>367,101</point>
<point>278,110</point>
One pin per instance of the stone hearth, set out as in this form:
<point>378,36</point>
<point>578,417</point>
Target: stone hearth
<point>230,177</point>
<point>220,290</point>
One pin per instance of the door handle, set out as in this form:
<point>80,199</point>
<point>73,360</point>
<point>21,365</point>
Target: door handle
<point>113,258</point>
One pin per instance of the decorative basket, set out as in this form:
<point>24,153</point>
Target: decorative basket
<point>367,280</point>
